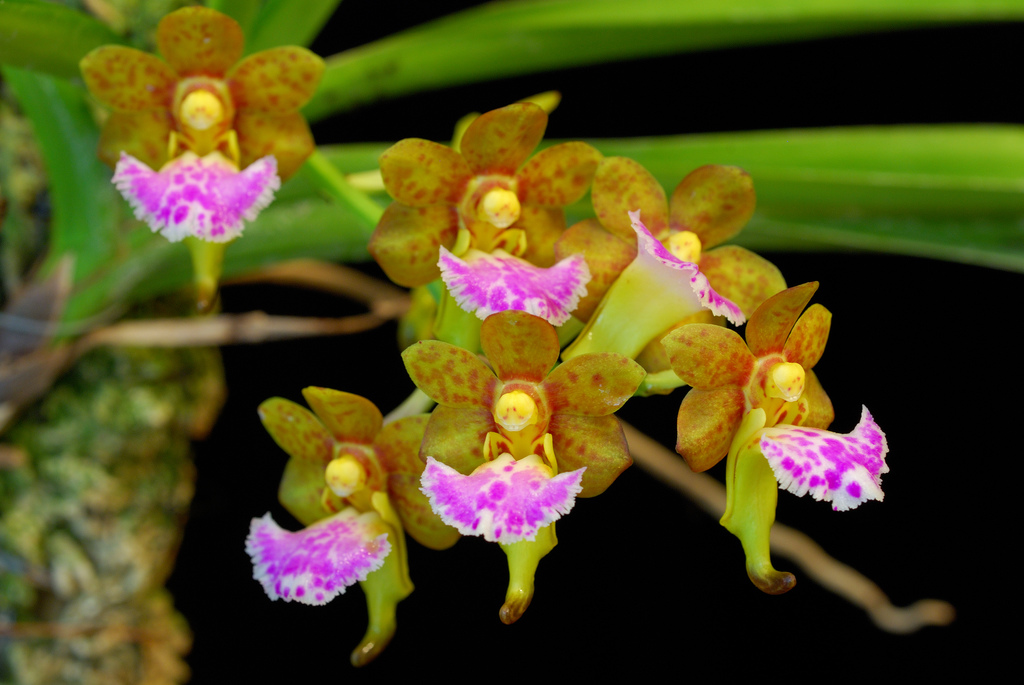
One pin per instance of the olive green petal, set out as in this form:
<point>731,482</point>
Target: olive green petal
<point>143,135</point>
<point>708,356</point>
<point>197,40</point>
<point>738,274</point>
<point>456,437</point>
<point>350,418</point>
<point>606,256</point>
<point>622,186</point>
<point>128,80</point>
<point>285,136</point>
<point>596,442</point>
<point>418,519</point>
<point>406,241</point>
<point>519,346</point>
<point>806,343</point>
<point>398,445</point>
<point>592,384</point>
<point>500,141</point>
<point>713,201</point>
<point>543,226</point>
<point>421,172</point>
<point>706,423</point>
<point>817,411</point>
<point>279,80</point>
<point>301,487</point>
<point>450,375</point>
<point>297,431</point>
<point>770,324</point>
<point>558,176</point>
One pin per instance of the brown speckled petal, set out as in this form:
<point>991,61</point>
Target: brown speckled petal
<point>543,226</point>
<point>499,141</point>
<point>297,431</point>
<point>709,356</point>
<point>285,136</point>
<point>622,186</point>
<point>350,418</point>
<point>592,384</point>
<point>606,256</point>
<point>450,375</point>
<point>143,135</point>
<point>418,519</point>
<point>714,202</point>
<point>806,343</point>
<point>707,421</point>
<point>816,407</point>
<point>405,242</point>
<point>519,346</point>
<point>456,437</point>
<point>596,442</point>
<point>279,80</point>
<point>197,40</point>
<point>558,176</point>
<point>741,276</point>
<point>300,490</point>
<point>128,80</point>
<point>770,325</point>
<point>421,172</point>
<point>398,444</point>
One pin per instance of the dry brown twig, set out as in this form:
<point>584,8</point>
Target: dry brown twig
<point>831,574</point>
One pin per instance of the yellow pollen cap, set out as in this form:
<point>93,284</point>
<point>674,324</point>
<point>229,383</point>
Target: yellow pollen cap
<point>786,381</point>
<point>685,245</point>
<point>345,475</point>
<point>515,411</point>
<point>500,207</point>
<point>201,110</point>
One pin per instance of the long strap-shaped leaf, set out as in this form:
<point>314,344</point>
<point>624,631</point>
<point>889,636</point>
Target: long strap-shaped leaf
<point>47,37</point>
<point>86,208</point>
<point>519,37</point>
<point>949,192</point>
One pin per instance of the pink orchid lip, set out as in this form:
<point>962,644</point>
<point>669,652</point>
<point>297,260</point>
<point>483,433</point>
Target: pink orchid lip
<point>496,282</point>
<point>688,273</point>
<point>204,197</point>
<point>843,469</point>
<point>316,564</point>
<point>504,500</point>
<point>655,292</point>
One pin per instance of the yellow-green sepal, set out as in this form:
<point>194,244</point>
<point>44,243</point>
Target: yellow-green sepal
<point>207,265</point>
<point>751,495</point>
<point>523,558</point>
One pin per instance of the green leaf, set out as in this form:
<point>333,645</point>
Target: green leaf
<point>47,37</point>
<point>509,38</point>
<point>242,11</point>
<point>286,22</point>
<point>947,192</point>
<point>86,207</point>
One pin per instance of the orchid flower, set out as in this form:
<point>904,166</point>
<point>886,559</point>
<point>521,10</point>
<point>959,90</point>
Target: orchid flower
<point>204,99</point>
<point>354,484</point>
<point>656,291</point>
<point>508,450</point>
<point>764,406</point>
<point>486,196</point>
<point>708,207</point>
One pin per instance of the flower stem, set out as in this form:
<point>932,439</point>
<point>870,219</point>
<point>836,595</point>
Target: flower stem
<point>328,179</point>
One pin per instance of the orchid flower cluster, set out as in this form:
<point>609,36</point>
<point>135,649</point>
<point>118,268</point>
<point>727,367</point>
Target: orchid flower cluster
<point>539,331</point>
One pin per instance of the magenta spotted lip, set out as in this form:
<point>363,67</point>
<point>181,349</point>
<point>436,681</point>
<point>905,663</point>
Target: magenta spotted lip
<point>203,197</point>
<point>316,564</point>
<point>842,469</point>
<point>489,283</point>
<point>504,500</point>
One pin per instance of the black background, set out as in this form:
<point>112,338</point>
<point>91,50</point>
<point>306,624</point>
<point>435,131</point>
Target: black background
<point>641,579</point>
